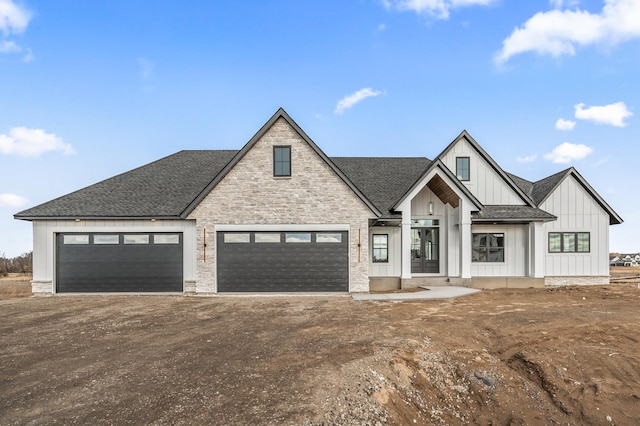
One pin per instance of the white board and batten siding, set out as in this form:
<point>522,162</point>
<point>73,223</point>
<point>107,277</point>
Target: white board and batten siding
<point>392,268</point>
<point>515,252</point>
<point>484,182</point>
<point>577,211</point>
<point>44,240</point>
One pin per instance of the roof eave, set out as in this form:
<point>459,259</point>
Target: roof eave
<point>152,218</point>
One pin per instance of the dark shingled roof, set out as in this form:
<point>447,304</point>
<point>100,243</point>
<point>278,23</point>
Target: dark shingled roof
<point>543,187</point>
<point>382,180</point>
<point>163,188</point>
<point>511,214</point>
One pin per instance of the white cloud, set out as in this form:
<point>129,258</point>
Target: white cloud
<point>349,101</point>
<point>527,159</point>
<point>438,9</point>
<point>558,32</point>
<point>568,152</point>
<point>26,142</point>
<point>12,200</point>
<point>613,114</point>
<point>13,18</point>
<point>9,47</point>
<point>563,124</point>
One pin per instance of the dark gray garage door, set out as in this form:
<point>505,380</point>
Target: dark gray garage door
<point>141,262</point>
<point>283,261</point>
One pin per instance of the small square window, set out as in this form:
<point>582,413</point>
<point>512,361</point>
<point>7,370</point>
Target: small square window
<point>282,161</point>
<point>463,168</point>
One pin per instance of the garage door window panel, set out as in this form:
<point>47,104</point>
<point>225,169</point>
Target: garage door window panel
<point>328,237</point>
<point>136,239</point>
<point>105,239</point>
<point>267,237</point>
<point>239,237</point>
<point>166,239</point>
<point>76,239</point>
<point>297,238</point>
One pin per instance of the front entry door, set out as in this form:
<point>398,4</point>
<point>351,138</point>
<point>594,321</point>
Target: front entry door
<point>424,250</point>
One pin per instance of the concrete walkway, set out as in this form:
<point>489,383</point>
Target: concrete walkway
<point>430,293</point>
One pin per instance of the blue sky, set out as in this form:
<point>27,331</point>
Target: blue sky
<point>92,88</point>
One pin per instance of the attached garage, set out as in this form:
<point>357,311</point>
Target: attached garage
<point>119,262</point>
<point>301,261</point>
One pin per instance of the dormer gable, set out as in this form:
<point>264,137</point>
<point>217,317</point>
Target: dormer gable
<point>480,174</point>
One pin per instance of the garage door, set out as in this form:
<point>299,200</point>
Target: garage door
<point>283,261</point>
<point>141,262</point>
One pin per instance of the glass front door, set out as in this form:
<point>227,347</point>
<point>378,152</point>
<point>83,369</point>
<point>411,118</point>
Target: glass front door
<point>425,244</point>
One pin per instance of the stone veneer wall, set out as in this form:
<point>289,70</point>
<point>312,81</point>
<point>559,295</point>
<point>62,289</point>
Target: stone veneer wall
<point>249,195</point>
<point>577,280</point>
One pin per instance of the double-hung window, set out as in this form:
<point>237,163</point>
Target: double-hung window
<point>380,248</point>
<point>282,161</point>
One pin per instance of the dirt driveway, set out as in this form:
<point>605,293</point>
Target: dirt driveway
<point>538,356</point>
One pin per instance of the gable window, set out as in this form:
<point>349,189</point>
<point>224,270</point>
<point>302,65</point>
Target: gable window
<point>380,248</point>
<point>463,168</point>
<point>569,242</point>
<point>487,247</point>
<point>282,160</point>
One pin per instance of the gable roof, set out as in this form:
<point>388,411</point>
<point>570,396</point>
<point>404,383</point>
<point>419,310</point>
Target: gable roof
<point>542,189</point>
<point>507,179</point>
<point>438,164</point>
<point>161,189</point>
<point>280,114</point>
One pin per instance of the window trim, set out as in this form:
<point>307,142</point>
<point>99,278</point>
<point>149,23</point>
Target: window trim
<point>575,239</point>
<point>486,247</point>
<point>275,162</point>
<point>385,248</point>
<point>468,169</point>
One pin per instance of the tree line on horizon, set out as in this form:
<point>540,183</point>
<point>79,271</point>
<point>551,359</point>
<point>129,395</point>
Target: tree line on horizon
<point>22,264</point>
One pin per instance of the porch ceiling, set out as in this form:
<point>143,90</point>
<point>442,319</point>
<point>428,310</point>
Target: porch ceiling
<point>443,191</point>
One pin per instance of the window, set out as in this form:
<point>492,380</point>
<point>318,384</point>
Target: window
<point>267,237</point>
<point>166,239</point>
<point>487,247</point>
<point>136,239</point>
<point>239,237</point>
<point>380,248</point>
<point>106,239</point>
<point>76,239</point>
<point>297,238</point>
<point>569,242</point>
<point>462,168</point>
<point>282,161</point>
<point>328,237</point>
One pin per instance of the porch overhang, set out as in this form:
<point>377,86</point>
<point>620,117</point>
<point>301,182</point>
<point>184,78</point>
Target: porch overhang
<point>511,215</point>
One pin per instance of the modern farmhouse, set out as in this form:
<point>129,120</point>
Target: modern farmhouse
<point>280,216</point>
